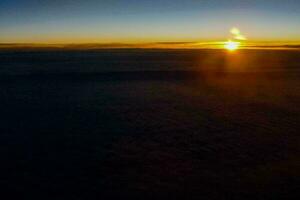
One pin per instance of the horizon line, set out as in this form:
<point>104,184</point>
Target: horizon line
<point>150,45</point>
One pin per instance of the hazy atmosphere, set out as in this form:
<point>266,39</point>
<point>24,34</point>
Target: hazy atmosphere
<point>141,99</point>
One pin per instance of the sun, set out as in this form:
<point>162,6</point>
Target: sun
<point>231,45</point>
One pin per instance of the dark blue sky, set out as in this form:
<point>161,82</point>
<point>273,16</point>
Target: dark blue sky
<point>146,20</point>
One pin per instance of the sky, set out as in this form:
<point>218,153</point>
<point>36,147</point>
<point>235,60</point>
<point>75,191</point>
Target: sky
<point>134,21</point>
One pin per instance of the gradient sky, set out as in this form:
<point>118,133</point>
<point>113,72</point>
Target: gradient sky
<point>71,21</point>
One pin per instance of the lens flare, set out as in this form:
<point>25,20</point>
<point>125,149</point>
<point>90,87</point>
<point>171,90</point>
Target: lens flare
<point>235,31</point>
<point>237,34</point>
<point>240,37</point>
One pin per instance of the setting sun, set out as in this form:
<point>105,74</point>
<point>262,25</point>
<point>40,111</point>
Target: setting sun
<point>231,45</point>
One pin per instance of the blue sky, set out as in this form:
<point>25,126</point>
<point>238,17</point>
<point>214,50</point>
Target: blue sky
<point>145,20</point>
